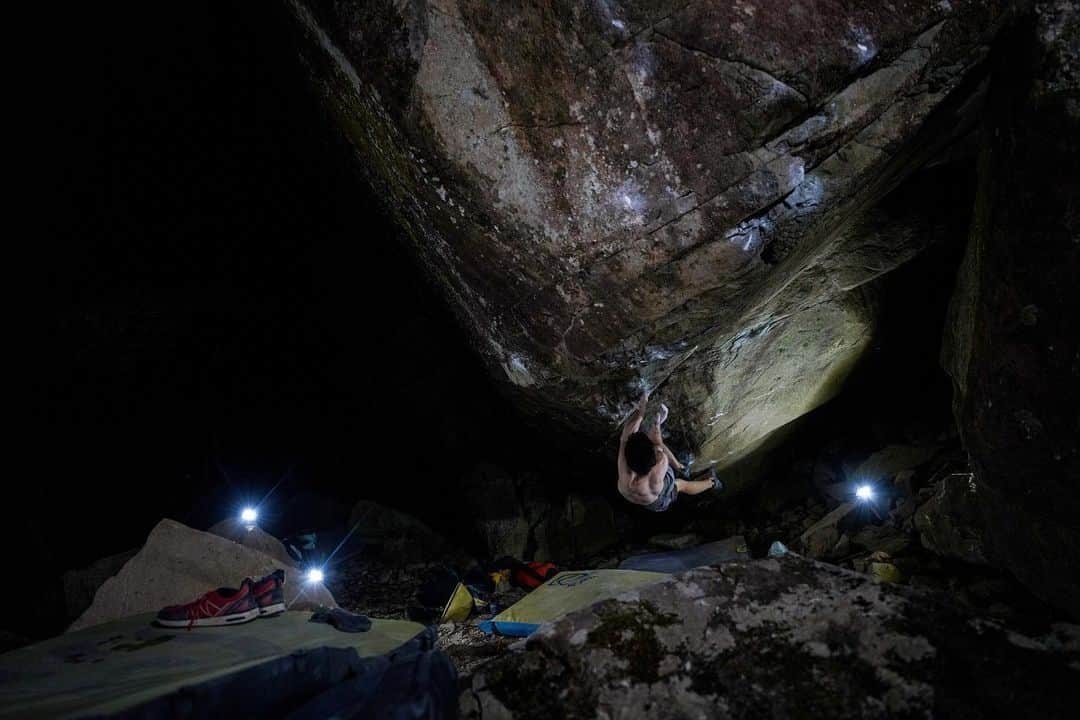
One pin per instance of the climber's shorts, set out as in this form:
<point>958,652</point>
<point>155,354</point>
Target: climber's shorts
<point>667,495</point>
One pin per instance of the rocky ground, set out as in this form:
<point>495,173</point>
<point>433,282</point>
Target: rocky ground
<point>914,531</point>
<point>365,583</point>
<point>910,533</point>
<point>779,637</point>
<point>884,603</point>
<point>380,589</point>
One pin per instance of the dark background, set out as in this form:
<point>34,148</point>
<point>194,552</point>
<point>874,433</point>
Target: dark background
<point>234,313</point>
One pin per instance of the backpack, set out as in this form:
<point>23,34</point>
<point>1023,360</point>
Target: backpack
<point>533,574</point>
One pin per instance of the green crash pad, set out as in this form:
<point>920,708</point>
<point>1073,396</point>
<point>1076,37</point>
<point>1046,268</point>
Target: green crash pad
<point>120,665</point>
<point>564,593</point>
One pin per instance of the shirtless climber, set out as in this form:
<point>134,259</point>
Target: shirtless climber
<point>647,467</point>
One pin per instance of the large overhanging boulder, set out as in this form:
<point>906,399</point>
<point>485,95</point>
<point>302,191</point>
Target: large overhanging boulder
<point>673,195</point>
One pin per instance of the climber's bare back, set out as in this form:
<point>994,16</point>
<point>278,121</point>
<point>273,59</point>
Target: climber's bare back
<point>641,489</point>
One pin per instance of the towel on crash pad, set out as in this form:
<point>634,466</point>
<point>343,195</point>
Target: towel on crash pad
<point>341,619</point>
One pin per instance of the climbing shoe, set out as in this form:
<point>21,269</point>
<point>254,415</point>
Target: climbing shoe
<point>709,474</point>
<point>224,606</point>
<point>269,593</point>
<point>686,459</point>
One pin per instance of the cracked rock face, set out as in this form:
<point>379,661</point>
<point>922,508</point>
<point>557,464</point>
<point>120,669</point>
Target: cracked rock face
<point>785,637</point>
<point>673,195</point>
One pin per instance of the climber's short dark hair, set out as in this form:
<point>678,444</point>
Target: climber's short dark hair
<point>640,453</point>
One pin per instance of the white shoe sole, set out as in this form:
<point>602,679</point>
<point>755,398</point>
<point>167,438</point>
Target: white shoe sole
<point>234,619</point>
<point>272,610</point>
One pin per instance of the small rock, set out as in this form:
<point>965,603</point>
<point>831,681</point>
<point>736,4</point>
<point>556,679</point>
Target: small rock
<point>881,538</point>
<point>905,508</point>
<point>842,547</point>
<point>948,522</point>
<point>822,537</point>
<point>904,483</point>
<point>819,542</point>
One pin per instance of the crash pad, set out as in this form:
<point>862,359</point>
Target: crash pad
<point>566,592</point>
<point>733,548</point>
<point>127,664</point>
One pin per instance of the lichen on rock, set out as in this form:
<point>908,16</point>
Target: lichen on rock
<point>784,637</point>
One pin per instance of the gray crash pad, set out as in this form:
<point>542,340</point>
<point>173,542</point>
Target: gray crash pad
<point>673,561</point>
<point>126,664</point>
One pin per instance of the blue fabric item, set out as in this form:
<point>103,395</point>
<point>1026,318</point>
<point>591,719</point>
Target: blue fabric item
<point>509,629</point>
<point>341,619</point>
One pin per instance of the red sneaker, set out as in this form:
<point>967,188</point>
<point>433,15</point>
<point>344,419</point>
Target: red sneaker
<point>269,593</point>
<point>224,606</point>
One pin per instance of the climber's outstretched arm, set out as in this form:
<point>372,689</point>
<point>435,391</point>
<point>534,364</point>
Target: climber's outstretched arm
<point>633,423</point>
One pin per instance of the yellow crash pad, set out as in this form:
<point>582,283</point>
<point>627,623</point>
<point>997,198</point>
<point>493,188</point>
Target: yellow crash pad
<point>564,593</point>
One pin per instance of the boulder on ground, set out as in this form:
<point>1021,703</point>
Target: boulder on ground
<point>780,637</point>
<point>881,538</point>
<point>404,539</point>
<point>514,517</point>
<point>823,536</point>
<point>256,538</point>
<point>949,523</point>
<point>820,542</point>
<point>81,585</point>
<point>890,461</point>
<point>585,527</point>
<point>496,511</point>
<point>178,564</point>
